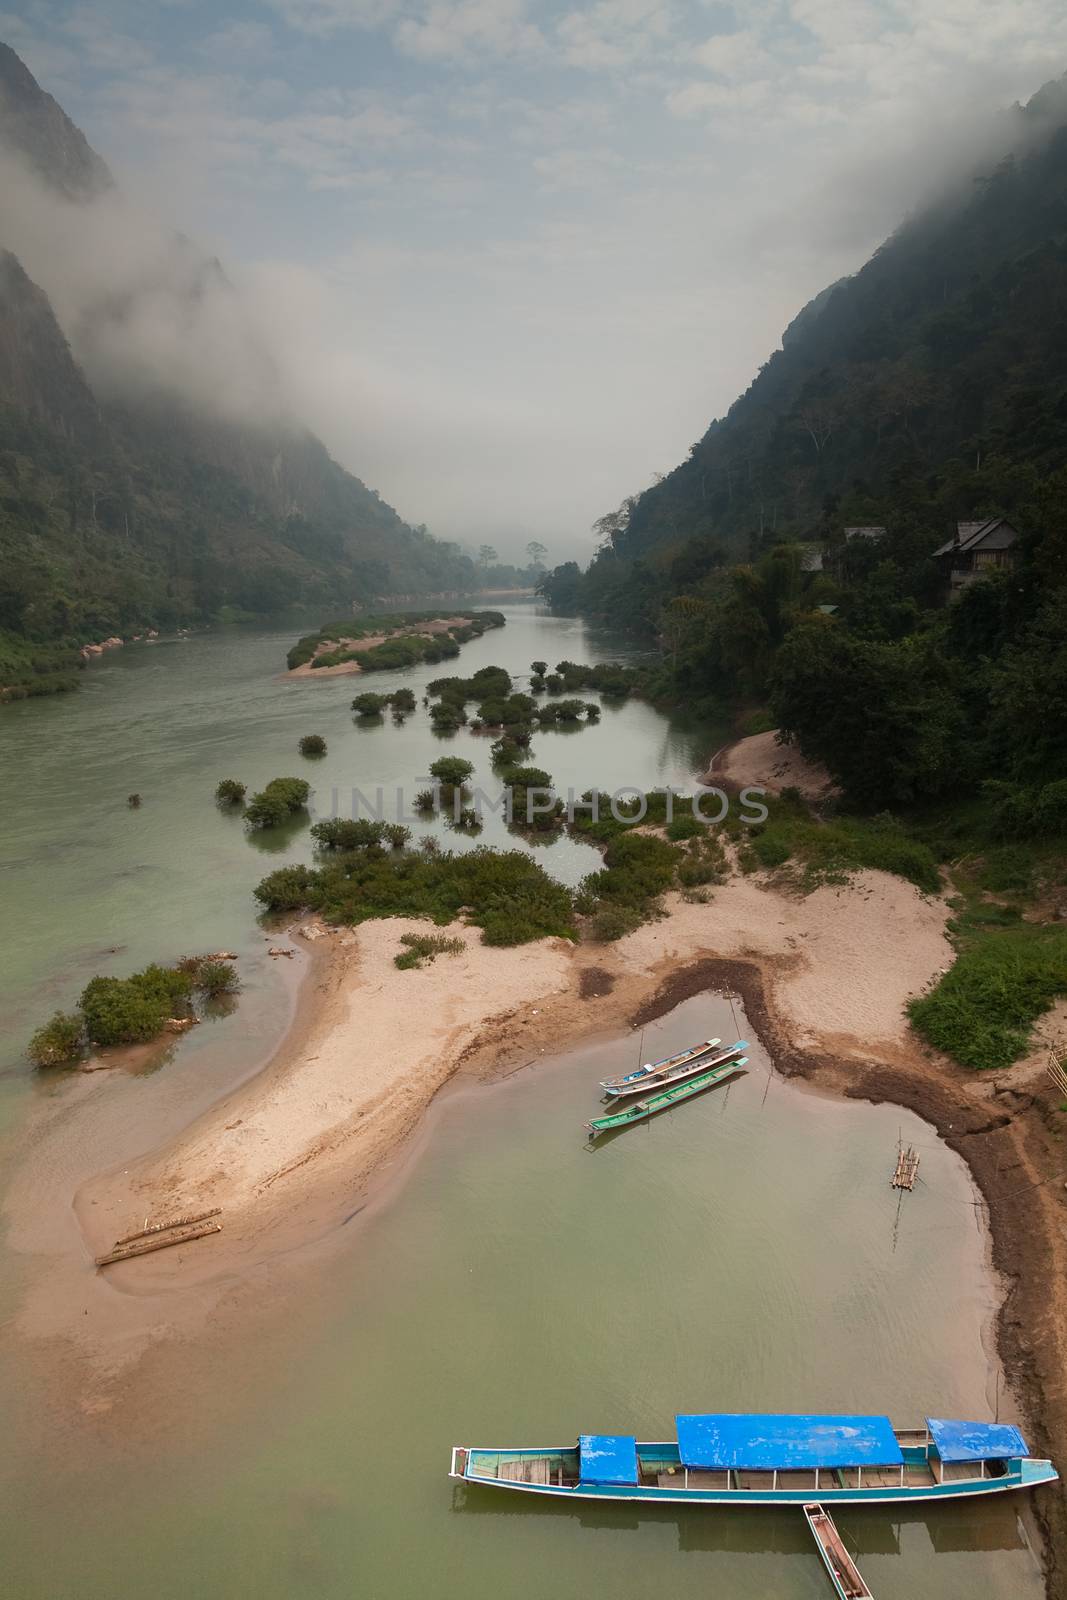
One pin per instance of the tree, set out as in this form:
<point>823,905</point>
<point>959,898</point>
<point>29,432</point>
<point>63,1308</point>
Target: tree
<point>451,770</point>
<point>229,792</point>
<point>487,556</point>
<point>537,553</point>
<point>313,744</point>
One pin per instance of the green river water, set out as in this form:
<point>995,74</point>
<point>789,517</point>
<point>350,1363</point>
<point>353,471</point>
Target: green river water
<point>506,1285</point>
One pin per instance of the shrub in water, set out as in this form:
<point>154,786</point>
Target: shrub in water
<point>217,977</point>
<point>278,800</point>
<point>288,889</point>
<point>58,1041</point>
<point>452,770</point>
<point>230,792</point>
<point>313,744</point>
<point>370,705</point>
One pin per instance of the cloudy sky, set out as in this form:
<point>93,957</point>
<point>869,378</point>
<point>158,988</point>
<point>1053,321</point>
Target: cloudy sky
<point>514,256</point>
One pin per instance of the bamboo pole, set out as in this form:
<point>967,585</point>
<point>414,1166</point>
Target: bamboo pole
<point>159,1241</point>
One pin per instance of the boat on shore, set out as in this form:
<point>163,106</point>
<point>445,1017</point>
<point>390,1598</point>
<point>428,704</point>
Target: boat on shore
<point>730,1459</point>
<point>695,1052</point>
<point>671,1096</point>
<point>662,1074</point>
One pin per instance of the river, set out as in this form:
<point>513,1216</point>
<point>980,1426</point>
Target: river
<point>505,1284</point>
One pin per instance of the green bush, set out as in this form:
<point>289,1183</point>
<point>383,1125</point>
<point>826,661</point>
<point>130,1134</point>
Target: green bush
<point>313,744</point>
<point>370,705</point>
<point>58,1041</point>
<point>266,810</point>
<point>526,778</point>
<point>288,889</point>
<point>217,978</point>
<point>613,922</point>
<point>133,1010</point>
<point>451,770</point>
<point>684,828</point>
<point>982,1011</point>
<point>276,802</point>
<point>1007,869</point>
<point>230,792</point>
<point>347,833</point>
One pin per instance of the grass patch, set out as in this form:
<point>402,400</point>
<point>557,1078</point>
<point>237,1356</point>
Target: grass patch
<point>424,947</point>
<point>831,851</point>
<point>983,1010</point>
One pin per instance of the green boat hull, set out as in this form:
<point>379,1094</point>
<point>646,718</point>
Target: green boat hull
<point>667,1098</point>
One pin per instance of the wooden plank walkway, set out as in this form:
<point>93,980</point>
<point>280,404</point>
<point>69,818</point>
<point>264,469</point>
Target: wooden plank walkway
<point>844,1574</point>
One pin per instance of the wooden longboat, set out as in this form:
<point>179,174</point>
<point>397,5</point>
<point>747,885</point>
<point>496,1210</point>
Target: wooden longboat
<point>695,1052</point>
<point>846,1577</point>
<point>752,1460</point>
<point>666,1098</point>
<point>652,1079</point>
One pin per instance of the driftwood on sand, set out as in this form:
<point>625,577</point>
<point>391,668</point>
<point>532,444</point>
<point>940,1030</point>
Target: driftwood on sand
<point>159,1235</point>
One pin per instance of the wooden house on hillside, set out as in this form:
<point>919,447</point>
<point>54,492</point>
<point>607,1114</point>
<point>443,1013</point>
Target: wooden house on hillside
<point>977,549</point>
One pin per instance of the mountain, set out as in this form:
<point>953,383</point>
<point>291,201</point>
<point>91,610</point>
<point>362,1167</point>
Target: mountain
<point>36,127</point>
<point>930,386</point>
<point>801,568</point>
<point>150,473</point>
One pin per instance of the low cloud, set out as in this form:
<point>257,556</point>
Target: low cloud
<point>145,311</point>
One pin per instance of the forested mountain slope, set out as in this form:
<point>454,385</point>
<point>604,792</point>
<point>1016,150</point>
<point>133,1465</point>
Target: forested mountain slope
<point>128,499</point>
<point>931,388</point>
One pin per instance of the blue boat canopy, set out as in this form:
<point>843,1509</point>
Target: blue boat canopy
<point>608,1458</point>
<point>761,1443</point>
<point>976,1441</point>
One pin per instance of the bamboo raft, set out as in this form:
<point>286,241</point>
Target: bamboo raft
<point>161,1235</point>
<point>907,1168</point>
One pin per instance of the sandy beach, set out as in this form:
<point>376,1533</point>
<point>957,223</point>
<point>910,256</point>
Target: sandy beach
<point>373,1044</point>
<point>761,762</point>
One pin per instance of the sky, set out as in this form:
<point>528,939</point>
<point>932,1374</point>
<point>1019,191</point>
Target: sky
<point>512,257</point>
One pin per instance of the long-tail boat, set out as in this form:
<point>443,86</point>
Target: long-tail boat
<point>695,1052</point>
<point>847,1579</point>
<point>662,1074</point>
<point>666,1098</point>
<point>728,1459</point>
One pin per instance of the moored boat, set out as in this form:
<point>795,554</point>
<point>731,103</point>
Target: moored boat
<point>662,1075</point>
<point>671,1096</point>
<point>695,1052</point>
<point>847,1579</point>
<point>730,1459</point>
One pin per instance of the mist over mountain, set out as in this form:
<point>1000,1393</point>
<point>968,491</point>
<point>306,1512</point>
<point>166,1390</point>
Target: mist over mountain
<point>151,472</point>
<point>913,391</point>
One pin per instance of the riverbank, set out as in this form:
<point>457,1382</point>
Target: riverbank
<point>761,762</point>
<point>289,1154</point>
